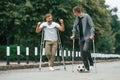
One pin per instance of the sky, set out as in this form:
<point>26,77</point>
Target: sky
<point>114,3</point>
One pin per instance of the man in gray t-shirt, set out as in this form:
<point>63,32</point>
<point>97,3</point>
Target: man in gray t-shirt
<point>50,36</point>
<point>50,31</point>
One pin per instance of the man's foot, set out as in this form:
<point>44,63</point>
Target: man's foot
<point>91,68</point>
<point>86,70</point>
<point>51,68</point>
<point>48,63</point>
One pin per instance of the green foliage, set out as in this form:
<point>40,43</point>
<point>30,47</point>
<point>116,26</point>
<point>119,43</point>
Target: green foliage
<point>18,19</point>
<point>115,24</point>
<point>2,52</point>
<point>13,52</point>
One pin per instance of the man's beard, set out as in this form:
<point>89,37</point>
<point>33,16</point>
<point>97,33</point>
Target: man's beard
<point>50,21</point>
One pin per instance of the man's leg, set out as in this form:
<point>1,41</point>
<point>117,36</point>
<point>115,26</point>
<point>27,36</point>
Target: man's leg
<point>88,44</point>
<point>54,49</point>
<point>86,50</point>
<point>83,54</point>
<point>48,49</point>
<point>90,59</point>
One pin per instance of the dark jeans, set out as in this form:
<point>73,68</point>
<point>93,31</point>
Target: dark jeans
<point>85,53</point>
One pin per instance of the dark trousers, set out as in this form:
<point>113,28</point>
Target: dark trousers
<point>85,53</point>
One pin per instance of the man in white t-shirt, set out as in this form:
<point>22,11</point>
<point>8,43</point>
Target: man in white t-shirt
<point>50,36</point>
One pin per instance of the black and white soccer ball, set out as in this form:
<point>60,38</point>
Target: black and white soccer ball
<point>81,68</point>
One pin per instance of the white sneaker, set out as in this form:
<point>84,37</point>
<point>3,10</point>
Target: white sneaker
<point>48,63</point>
<point>91,68</point>
<point>87,70</point>
<point>51,68</point>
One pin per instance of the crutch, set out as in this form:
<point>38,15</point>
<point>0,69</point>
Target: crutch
<point>41,49</point>
<point>73,55</point>
<point>61,48</point>
<point>94,58</point>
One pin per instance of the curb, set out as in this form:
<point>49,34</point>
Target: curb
<point>27,66</point>
<point>36,65</point>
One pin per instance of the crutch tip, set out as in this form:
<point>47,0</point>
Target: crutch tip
<point>65,69</point>
<point>39,69</point>
<point>72,71</point>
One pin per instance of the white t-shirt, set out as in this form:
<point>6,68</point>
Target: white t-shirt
<point>50,31</point>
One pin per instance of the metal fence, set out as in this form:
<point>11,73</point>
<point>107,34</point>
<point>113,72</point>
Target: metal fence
<point>67,53</point>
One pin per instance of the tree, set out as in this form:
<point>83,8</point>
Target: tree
<point>18,20</point>
<point>115,24</point>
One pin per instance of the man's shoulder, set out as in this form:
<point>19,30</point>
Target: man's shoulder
<point>85,14</point>
<point>44,23</point>
<point>54,23</point>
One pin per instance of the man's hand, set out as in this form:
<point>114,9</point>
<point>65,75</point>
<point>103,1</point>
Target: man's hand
<point>92,37</point>
<point>61,21</point>
<point>38,24</point>
<point>72,37</point>
<point>61,28</point>
<point>38,27</point>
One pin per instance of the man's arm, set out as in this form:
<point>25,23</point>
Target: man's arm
<point>61,28</point>
<point>38,29</point>
<point>74,30</point>
<point>91,24</point>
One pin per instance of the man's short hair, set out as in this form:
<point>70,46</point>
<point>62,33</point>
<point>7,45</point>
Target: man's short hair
<point>77,9</point>
<point>48,15</point>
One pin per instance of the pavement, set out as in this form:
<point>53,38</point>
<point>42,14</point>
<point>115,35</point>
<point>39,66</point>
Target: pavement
<point>104,71</point>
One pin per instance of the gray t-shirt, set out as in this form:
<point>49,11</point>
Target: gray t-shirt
<point>50,31</point>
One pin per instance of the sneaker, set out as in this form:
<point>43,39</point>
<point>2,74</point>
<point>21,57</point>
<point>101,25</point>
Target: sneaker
<point>87,70</point>
<point>91,68</point>
<point>48,63</point>
<point>51,68</point>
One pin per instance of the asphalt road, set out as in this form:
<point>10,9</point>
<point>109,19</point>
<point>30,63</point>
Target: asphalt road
<point>105,71</point>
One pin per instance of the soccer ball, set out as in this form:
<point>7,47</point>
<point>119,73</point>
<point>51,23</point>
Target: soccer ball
<point>80,68</point>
